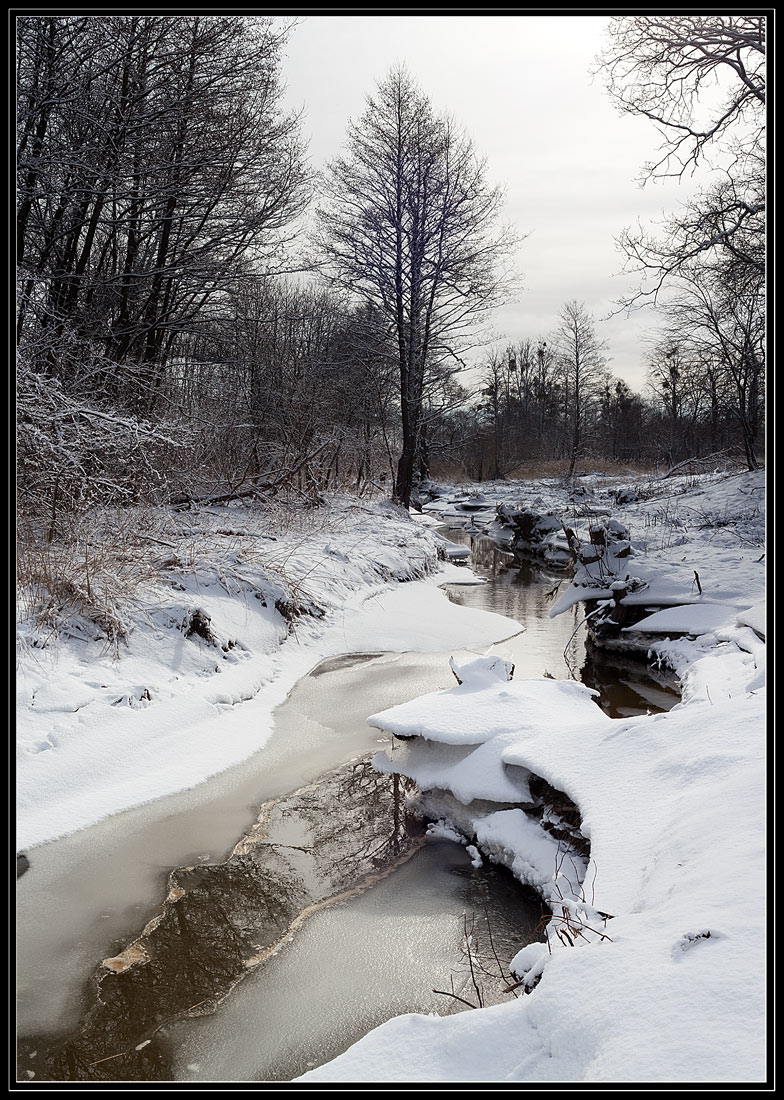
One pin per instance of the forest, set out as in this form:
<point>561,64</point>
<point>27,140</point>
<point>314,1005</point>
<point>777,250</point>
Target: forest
<point>200,317</point>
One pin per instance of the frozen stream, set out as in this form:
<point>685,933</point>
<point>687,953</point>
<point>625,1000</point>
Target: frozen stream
<point>380,951</point>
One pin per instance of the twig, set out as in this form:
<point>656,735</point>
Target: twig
<point>490,937</point>
<point>108,1058</point>
<point>471,959</point>
<point>581,623</point>
<point>445,993</point>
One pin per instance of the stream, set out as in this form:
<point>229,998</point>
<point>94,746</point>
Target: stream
<point>332,913</point>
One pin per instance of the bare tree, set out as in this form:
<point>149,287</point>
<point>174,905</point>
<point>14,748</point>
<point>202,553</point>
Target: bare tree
<point>581,361</point>
<point>408,224</point>
<point>725,221</point>
<point>154,158</point>
<point>700,79</point>
<point>496,392</point>
<point>661,66</point>
<point>155,166</point>
<point>718,317</point>
<point>676,376</point>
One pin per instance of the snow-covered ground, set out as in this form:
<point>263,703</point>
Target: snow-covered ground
<point>655,967</point>
<point>103,726</point>
<point>667,981</point>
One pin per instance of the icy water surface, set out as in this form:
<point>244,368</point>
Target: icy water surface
<point>398,947</point>
<point>317,901</point>
<point>331,916</point>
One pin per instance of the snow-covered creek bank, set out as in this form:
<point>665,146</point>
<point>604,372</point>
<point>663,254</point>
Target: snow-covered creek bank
<point>657,964</point>
<point>100,882</point>
<point>673,803</point>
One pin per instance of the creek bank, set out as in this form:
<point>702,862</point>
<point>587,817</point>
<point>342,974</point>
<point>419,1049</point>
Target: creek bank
<point>460,749</point>
<point>628,681</point>
<point>596,560</point>
<point>649,1003</point>
<point>650,847</point>
<point>117,1040</point>
<point>626,611</point>
<point>647,788</point>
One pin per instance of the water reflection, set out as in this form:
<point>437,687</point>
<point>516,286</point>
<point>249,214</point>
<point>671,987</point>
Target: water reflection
<point>627,685</point>
<point>219,921</point>
<point>353,966</point>
<point>559,647</point>
<point>525,592</point>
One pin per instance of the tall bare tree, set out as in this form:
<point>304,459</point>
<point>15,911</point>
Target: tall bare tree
<point>719,319</point>
<point>581,360</point>
<point>701,80</point>
<point>409,224</point>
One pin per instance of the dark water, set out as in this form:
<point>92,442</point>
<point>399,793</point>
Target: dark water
<point>557,646</point>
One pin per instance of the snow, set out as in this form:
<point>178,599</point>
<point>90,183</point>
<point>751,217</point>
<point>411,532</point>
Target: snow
<point>656,962</point>
<point>674,808</point>
<point>663,975</point>
<point>754,617</point>
<point>697,618</point>
<point>453,550</point>
<point>471,714</point>
<point>102,729</point>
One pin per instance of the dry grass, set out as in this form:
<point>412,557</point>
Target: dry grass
<point>92,575</point>
<point>98,574</point>
<point>534,468</point>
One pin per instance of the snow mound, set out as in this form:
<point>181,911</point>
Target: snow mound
<point>482,671</point>
<point>478,710</point>
<point>696,619</point>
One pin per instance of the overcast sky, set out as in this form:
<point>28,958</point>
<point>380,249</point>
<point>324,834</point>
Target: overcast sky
<point>521,87</point>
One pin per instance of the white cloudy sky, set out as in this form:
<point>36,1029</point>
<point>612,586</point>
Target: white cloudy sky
<point>521,87</point>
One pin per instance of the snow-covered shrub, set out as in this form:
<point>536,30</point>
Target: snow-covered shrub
<point>73,453</point>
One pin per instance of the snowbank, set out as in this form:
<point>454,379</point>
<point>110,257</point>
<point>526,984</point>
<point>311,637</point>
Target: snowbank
<point>655,965</point>
<point>211,651</point>
<point>672,986</point>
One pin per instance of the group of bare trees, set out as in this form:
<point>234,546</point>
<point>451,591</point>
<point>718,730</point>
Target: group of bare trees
<point>164,341</point>
<point>155,166</point>
<point>555,398</point>
<point>701,80</point>
<point>541,397</point>
<point>159,184</point>
<point>287,381</point>
<point>154,162</point>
